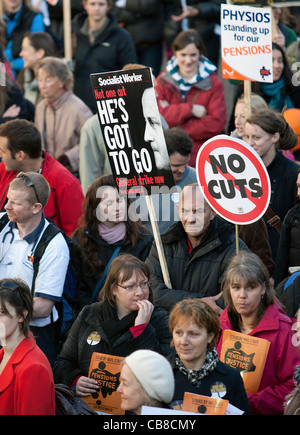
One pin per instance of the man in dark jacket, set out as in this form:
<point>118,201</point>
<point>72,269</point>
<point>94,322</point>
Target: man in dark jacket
<point>197,252</point>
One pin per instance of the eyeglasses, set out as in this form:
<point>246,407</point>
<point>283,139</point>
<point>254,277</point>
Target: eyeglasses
<point>29,183</point>
<point>133,288</point>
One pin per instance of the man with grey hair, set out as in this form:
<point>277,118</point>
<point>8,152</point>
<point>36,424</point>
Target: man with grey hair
<point>197,250</point>
<point>22,228</point>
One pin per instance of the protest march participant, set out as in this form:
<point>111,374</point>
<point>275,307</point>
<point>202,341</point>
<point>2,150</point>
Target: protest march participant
<point>108,226</point>
<point>189,93</point>
<point>61,114</point>
<point>35,46</point>
<point>292,402</point>
<point>27,195</point>
<point>146,380</point>
<point>100,45</point>
<point>288,254</point>
<point>26,379</point>
<point>268,133</point>
<point>197,251</point>
<point>21,151</point>
<point>195,327</point>
<point>253,309</point>
<point>124,320</point>
<point>179,146</point>
<point>19,17</point>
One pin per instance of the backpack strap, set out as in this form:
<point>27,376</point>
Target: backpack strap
<point>100,282</point>
<point>291,280</point>
<point>50,232</point>
<point>3,221</point>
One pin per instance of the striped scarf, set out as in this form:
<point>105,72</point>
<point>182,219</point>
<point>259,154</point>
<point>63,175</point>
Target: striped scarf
<point>206,67</point>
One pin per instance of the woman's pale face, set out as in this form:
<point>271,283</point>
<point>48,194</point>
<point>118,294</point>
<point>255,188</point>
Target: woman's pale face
<point>9,324</point>
<point>188,59</point>
<point>127,299</point>
<point>191,341</point>
<point>50,86</point>
<point>246,297</point>
<point>29,54</point>
<point>112,207</point>
<point>240,118</point>
<point>132,398</point>
<point>261,141</point>
<point>278,65</point>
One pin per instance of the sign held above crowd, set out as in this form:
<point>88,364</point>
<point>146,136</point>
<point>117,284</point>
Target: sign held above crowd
<point>233,179</point>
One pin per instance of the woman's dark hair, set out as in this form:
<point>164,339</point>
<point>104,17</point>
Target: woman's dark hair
<point>87,231</point>
<point>121,270</point>
<point>186,37</point>
<point>42,40</point>
<point>273,122</point>
<point>17,293</point>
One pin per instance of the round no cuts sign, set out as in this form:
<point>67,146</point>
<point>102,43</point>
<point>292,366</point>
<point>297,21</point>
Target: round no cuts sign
<point>233,179</point>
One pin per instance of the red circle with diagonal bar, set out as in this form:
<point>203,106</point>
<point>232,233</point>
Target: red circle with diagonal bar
<point>233,179</point>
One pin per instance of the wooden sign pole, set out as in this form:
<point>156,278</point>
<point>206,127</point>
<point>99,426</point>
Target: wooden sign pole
<point>67,29</point>
<point>157,238</point>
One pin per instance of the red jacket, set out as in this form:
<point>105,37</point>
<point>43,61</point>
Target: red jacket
<point>178,113</point>
<point>64,206</point>
<point>26,383</point>
<point>277,380</point>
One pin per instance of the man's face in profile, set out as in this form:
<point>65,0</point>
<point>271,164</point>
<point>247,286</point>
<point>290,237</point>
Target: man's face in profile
<point>153,131</point>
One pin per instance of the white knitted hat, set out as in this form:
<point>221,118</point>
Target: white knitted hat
<point>154,372</point>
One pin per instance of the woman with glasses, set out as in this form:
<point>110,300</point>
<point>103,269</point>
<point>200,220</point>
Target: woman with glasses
<point>124,320</point>
<point>26,379</point>
<point>109,225</point>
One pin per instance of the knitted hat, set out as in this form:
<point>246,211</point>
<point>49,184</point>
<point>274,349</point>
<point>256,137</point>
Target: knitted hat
<point>154,372</point>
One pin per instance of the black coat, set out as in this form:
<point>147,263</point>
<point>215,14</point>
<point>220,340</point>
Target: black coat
<point>112,49</point>
<point>86,281</point>
<point>283,178</point>
<point>193,275</point>
<point>288,253</point>
<point>100,319</point>
<point>224,378</point>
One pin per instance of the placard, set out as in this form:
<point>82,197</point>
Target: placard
<point>132,130</point>
<point>246,40</point>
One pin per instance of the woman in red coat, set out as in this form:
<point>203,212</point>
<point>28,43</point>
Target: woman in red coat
<point>26,380</point>
<point>252,309</point>
<point>190,95</point>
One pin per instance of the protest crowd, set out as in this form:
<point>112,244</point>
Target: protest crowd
<point>83,266</point>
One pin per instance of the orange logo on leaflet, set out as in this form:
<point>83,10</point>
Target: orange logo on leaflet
<point>229,73</point>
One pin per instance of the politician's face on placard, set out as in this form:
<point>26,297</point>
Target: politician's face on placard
<point>153,131</point>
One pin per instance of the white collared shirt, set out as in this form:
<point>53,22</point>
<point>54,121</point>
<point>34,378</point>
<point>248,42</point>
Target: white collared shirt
<point>15,263</point>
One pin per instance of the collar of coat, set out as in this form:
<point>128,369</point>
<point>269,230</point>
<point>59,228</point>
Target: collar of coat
<point>26,345</point>
<point>218,231</point>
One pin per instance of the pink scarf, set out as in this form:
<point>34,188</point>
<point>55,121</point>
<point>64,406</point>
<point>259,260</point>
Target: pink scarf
<point>112,235</point>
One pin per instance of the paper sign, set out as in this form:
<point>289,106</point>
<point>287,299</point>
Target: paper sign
<point>132,130</point>
<point>204,404</point>
<point>246,41</point>
<point>247,354</point>
<point>106,370</point>
<point>233,179</point>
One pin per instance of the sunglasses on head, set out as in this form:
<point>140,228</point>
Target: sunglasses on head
<point>29,183</point>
